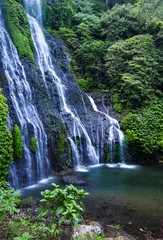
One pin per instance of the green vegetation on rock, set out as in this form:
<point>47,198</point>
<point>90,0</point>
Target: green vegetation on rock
<point>6,151</point>
<point>17,142</point>
<point>33,145</point>
<point>62,140</point>
<point>18,26</point>
<point>144,131</point>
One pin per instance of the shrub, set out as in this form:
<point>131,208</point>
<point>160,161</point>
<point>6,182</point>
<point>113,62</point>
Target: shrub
<point>17,142</point>
<point>63,204</point>
<point>144,130</point>
<point>7,200</point>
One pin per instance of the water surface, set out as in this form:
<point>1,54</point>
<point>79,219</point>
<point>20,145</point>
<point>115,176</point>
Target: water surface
<point>129,195</point>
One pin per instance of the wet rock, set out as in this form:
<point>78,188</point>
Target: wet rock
<point>73,180</point>
<point>65,172</point>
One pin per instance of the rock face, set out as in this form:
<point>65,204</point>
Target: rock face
<point>46,102</point>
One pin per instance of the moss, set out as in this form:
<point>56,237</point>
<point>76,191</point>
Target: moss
<point>33,145</point>
<point>18,26</point>
<point>63,141</point>
<point>17,142</point>
<point>2,80</point>
<point>78,142</point>
<point>107,155</point>
<point>6,151</point>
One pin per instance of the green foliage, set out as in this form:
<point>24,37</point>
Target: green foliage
<point>118,106</point>
<point>61,13</point>
<point>18,27</point>
<point>149,14</point>
<point>7,200</point>
<point>133,67</point>
<point>68,36</point>
<point>144,130</point>
<point>6,151</point>
<point>63,204</point>
<point>119,23</point>
<point>33,145</point>
<point>85,84</point>
<point>25,236</point>
<point>17,142</point>
<point>91,55</point>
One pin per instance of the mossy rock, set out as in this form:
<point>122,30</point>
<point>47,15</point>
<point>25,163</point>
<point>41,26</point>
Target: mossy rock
<point>18,27</point>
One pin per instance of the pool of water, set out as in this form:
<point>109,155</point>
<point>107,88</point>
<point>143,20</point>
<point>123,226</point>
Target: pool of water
<point>129,195</point>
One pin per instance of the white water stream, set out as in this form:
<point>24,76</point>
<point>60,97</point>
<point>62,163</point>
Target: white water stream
<point>26,171</point>
<point>114,130</point>
<point>45,64</point>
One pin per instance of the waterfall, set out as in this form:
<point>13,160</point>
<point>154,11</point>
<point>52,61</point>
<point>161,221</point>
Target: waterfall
<point>114,130</point>
<point>45,65</point>
<point>26,171</point>
<point>87,138</point>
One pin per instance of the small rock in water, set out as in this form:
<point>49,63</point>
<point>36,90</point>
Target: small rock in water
<point>73,180</point>
<point>65,172</point>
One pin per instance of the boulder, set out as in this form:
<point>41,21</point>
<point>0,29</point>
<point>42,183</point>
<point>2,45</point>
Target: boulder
<point>87,230</point>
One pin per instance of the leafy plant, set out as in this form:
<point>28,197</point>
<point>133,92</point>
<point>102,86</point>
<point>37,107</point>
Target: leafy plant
<point>62,204</point>
<point>25,236</point>
<point>7,200</point>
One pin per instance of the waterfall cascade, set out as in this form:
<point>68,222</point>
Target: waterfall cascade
<point>26,171</point>
<point>45,64</point>
<point>114,131</point>
<point>88,132</point>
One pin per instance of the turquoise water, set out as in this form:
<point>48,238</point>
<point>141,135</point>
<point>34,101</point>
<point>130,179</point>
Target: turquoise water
<point>129,195</point>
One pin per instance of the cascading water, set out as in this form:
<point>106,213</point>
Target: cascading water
<point>114,130</point>
<point>45,64</point>
<point>30,168</point>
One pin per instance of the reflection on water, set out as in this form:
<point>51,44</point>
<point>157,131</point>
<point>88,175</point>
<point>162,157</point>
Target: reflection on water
<point>119,193</point>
